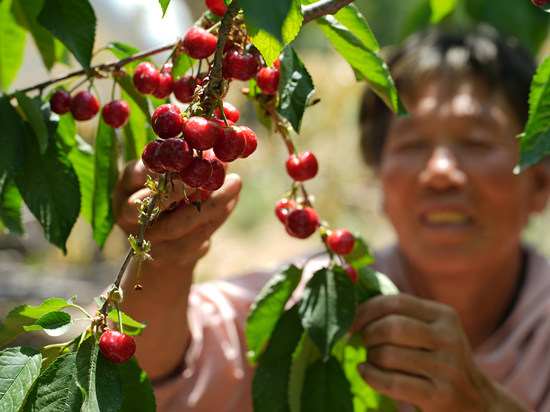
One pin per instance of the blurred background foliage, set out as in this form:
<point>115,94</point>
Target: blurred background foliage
<point>345,191</point>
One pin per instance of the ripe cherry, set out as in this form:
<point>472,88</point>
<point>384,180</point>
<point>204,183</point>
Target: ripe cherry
<point>218,176</point>
<point>351,271</point>
<point>60,101</point>
<point>198,43</point>
<point>251,141</point>
<point>539,3</point>
<point>165,85</point>
<point>239,66</point>
<point>217,7</point>
<point>150,157</point>
<point>268,80</point>
<point>117,347</point>
<point>230,111</point>
<point>197,173</point>
<point>184,88</point>
<point>84,106</point>
<point>283,207</point>
<point>302,223</point>
<point>146,78</point>
<point>231,144</point>
<point>167,121</point>
<point>341,241</point>
<point>303,167</point>
<point>201,133</point>
<point>175,154</point>
<point>116,113</point>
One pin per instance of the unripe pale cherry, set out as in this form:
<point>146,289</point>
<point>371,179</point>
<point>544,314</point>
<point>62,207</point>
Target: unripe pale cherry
<point>198,43</point>
<point>84,106</point>
<point>60,101</point>
<point>167,121</point>
<point>146,77</point>
<point>341,241</point>
<point>217,7</point>
<point>116,113</point>
<point>117,347</point>
<point>150,157</point>
<point>201,133</point>
<point>302,223</point>
<point>303,167</point>
<point>175,154</point>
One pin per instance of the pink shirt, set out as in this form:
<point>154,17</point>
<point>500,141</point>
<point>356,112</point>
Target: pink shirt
<point>218,377</point>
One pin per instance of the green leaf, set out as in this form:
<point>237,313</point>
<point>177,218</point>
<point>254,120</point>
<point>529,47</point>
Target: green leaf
<point>164,4</point>
<point>66,132</point>
<point>10,208</point>
<point>267,309</point>
<point>268,44</point>
<point>268,16</point>
<point>371,283</point>
<point>131,326</point>
<point>53,323</point>
<point>137,389</point>
<point>270,382</point>
<point>41,119</point>
<point>295,88</point>
<point>326,388</point>
<point>361,254</point>
<point>327,307</point>
<point>15,321</point>
<point>363,58</point>
<point>73,22</point>
<point>56,389</point>
<point>12,45</point>
<point>305,354</point>
<point>181,63</point>
<point>13,154</point>
<point>106,175</point>
<point>98,378</point>
<point>19,369</point>
<point>126,85</point>
<point>440,9</point>
<point>82,159</point>
<point>49,187</point>
<point>535,140</point>
<point>121,50</point>
<point>26,12</point>
<point>134,133</point>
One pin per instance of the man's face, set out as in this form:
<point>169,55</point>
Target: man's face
<point>447,176</point>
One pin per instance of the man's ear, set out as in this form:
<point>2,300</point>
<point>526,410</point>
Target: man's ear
<point>541,185</point>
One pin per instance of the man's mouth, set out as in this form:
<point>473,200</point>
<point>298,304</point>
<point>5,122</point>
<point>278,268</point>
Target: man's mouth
<point>446,217</point>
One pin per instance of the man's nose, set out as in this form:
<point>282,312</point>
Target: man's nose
<point>442,171</point>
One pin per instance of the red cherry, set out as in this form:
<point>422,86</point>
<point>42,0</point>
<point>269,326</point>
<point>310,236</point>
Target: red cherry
<point>197,173</point>
<point>165,85</point>
<point>277,63</point>
<point>201,133</point>
<point>251,141</point>
<point>218,176</point>
<point>268,80</point>
<point>184,88</point>
<point>194,196</point>
<point>175,154</point>
<point>60,101</point>
<point>117,347</point>
<point>217,7</point>
<point>302,223</point>
<point>84,106</point>
<point>240,66</point>
<point>352,273</point>
<point>230,111</point>
<point>539,3</point>
<point>341,241</point>
<point>150,157</point>
<point>167,121</point>
<point>146,78</point>
<point>231,144</point>
<point>198,43</point>
<point>116,113</point>
<point>283,207</point>
<point>302,168</point>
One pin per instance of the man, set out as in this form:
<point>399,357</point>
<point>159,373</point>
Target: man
<point>471,330</point>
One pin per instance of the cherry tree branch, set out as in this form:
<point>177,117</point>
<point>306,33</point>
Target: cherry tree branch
<point>322,8</point>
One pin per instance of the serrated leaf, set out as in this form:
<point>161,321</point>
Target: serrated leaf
<point>56,389</point>
<point>82,159</point>
<point>15,321</point>
<point>10,208</point>
<point>49,187</point>
<point>41,119</point>
<point>137,389</point>
<point>295,88</point>
<point>326,388</point>
<point>372,283</point>
<point>19,369</point>
<point>365,61</point>
<point>98,378</point>
<point>73,22</point>
<point>53,323</point>
<point>270,382</point>
<point>327,307</point>
<point>164,5</point>
<point>268,307</point>
<point>13,153</point>
<point>535,140</point>
<point>440,9</point>
<point>131,326</point>
<point>106,175</point>
<point>268,16</point>
<point>12,45</point>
